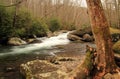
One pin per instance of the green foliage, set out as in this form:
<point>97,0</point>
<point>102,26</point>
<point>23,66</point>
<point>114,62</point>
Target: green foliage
<point>21,32</point>
<point>84,26</point>
<point>23,19</point>
<point>25,25</point>
<point>38,28</point>
<point>54,24</point>
<point>88,63</point>
<point>5,23</point>
<point>72,27</point>
<point>23,22</point>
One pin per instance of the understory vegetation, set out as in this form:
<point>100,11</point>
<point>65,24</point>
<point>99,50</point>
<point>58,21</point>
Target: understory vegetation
<point>24,25</point>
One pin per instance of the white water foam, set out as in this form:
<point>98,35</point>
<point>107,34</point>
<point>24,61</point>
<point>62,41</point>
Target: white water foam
<point>47,43</point>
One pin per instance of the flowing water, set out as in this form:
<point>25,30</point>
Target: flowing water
<point>38,48</point>
<point>13,56</point>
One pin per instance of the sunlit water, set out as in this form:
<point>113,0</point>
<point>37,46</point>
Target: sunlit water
<point>44,47</point>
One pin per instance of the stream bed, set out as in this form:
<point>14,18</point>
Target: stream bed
<point>12,56</point>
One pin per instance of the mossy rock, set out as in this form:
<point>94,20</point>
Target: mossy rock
<point>114,31</point>
<point>41,69</point>
<point>116,47</point>
<point>81,32</point>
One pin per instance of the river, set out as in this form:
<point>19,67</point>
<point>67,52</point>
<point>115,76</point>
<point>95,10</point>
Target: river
<point>13,56</point>
<point>37,48</point>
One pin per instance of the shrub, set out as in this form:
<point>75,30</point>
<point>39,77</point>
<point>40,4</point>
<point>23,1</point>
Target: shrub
<point>38,28</point>
<point>23,19</point>
<point>5,23</point>
<point>22,24</point>
<point>72,27</point>
<point>25,25</point>
<point>54,24</point>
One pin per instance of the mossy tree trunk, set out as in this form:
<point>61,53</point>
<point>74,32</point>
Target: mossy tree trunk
<point>100,27</point>
<point>83,71</point>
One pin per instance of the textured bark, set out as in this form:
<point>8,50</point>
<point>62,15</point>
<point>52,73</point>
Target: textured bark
<point>15,13</point>
<point>100,27</point>
<point>84,70</point>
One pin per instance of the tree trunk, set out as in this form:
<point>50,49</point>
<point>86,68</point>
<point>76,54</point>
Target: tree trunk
<point>15,14</point>
<point>100,27</point>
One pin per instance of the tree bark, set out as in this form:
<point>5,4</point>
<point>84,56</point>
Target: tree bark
<point>83,71</point>
<point>100,27</point>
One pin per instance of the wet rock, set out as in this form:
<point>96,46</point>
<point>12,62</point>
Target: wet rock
<point>30,41</point>
<point>73,37</point>
<point>59,32</point>
<point>112,76</point>
<point>9,69</point>
<point>116,47</point>
<point>81,32</point>
<point>115,37</point>
<point>108,76</point>
<point>16,41</point>
<point>66,59</point>
<point>117,59</point>
<point>39,69</point>
<point>50,34</point>
<point>87,38</point>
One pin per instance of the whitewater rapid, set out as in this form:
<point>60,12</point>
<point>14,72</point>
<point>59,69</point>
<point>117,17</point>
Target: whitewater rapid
<point>47,43</point>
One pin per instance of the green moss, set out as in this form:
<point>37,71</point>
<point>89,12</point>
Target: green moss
<point>113,30</point>
<point>54,24</point>
<point>116,47</point>
<point>96,31</point>
<point>88,63</point>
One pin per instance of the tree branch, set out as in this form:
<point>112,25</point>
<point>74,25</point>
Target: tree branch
<point>19,2</point>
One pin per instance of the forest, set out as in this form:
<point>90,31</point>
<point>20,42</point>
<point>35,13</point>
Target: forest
<point>59,39</point>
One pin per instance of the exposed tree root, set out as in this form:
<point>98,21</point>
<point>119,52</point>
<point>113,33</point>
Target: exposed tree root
<point>88,69</point>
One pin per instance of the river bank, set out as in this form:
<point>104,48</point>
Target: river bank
<point>14,61</point>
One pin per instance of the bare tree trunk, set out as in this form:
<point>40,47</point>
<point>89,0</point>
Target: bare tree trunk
<point>15,13</point>
<point>118,13</point>
<point>97,64</point>
<point>100,27</point>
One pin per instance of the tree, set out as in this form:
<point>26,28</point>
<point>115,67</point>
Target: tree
<point>17,3</point>
<point>100,62</point>
<point>100,27</point>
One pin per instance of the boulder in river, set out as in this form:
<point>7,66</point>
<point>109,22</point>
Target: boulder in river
<point>50,34</point>
<point>56,33</point>
<point>82,35</point>
<point>111,76</point>
<point>39,69</point>
<point>116,47</point>
<point>59,32</point>
<point>32,40</point>
<point>73,37</point>
<point>115,37</point>
<point>16,41</point>
<point>87,38</point>
<point>81,32</point>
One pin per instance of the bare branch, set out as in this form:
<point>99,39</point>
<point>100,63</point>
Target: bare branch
<point>15,4</point>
